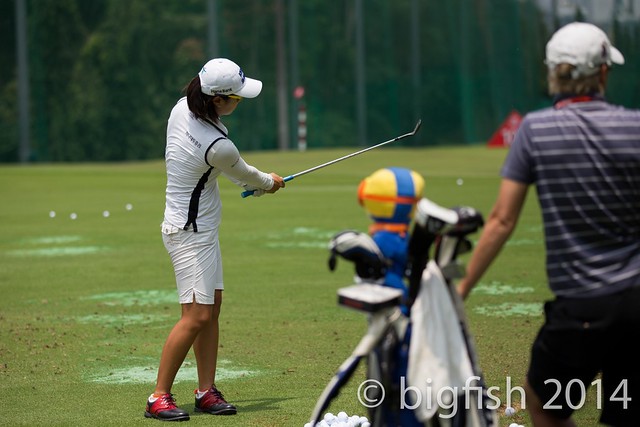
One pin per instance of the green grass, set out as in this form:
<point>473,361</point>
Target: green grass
<point>86,304</point>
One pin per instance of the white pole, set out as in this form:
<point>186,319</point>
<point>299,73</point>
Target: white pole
<point>302,127</point>
<point>281,77</point>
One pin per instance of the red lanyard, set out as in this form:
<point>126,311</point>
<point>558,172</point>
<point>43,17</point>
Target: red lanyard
<point>567,101</point>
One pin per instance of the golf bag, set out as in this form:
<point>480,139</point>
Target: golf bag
<point>423,364</point>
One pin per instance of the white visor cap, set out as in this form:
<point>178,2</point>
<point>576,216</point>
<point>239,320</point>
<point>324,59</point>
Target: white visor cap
<point>221,76</point>
<point>583,45</point>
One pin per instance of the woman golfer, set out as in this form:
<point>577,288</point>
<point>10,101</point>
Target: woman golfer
<point>198,151</point>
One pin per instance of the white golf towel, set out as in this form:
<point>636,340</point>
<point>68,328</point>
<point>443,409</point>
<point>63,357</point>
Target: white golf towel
<point>438,356</point>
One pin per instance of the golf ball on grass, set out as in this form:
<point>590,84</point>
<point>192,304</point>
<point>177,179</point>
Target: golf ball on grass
<point>341,420</point>
<point>128,206</point>
<point>105,214</point>
<point>459,181</point>
<point>52,214</point>
<point>509,411</point>
<point>73,216</point>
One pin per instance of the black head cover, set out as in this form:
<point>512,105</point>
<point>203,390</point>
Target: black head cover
<point>361,250</point>
<point>469,221</point>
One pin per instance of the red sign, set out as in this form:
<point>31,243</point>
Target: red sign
<point>503,137</point>
<point>298,92</point>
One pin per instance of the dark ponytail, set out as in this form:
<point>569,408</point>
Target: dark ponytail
<point>199,103</point>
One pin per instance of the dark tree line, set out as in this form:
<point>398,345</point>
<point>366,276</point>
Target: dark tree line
<point>104,74</point>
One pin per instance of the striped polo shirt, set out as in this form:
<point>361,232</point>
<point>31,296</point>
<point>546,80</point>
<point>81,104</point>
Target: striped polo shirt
<point>583,155</point>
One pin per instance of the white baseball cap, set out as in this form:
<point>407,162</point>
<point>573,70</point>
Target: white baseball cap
<point>220,76</point>
<point>583,45</point>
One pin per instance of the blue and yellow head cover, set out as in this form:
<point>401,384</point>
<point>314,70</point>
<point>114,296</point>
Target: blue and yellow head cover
<point>390,195</point>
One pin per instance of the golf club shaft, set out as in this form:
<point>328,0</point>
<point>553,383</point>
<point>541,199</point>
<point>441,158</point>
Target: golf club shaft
<point>332,389</point>
<point>315,168</point>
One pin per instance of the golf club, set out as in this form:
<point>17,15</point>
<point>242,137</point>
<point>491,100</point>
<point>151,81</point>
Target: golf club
<point>378,326</point>
<point>304,172</point>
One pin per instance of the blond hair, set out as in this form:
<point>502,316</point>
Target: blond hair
<point>560,80</point>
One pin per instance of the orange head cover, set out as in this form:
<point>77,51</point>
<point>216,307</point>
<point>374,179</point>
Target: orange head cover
<point>390,195</point>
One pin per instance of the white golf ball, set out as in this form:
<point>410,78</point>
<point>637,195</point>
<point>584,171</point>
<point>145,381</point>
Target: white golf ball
<point>105,214</point>
<point>52,214</point>
<point>73,215</point>
<point>365,424</point>
<point>128,206</point>
<point>343,417</point>
<point>509,411</point>
<point>363,420</point>
<point>514,425</point>
<point>459,181</point>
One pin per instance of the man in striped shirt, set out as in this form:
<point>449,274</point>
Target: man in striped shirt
<point>583,156</point>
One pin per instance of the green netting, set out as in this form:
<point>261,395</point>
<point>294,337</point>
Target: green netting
<point>104,74</point>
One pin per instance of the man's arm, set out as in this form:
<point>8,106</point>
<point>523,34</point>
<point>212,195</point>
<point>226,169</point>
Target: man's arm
<point>497,229</point>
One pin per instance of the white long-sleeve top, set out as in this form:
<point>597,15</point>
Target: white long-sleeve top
<point>197,152</point>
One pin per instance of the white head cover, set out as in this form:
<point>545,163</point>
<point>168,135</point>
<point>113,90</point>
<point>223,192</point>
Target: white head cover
<point>583,45</point>
<point>221,76</point>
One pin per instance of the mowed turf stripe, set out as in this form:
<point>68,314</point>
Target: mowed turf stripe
<point>51,240</point>
<point>58,251</point>
<point>144,297</point>
<point>147,374</point>
<point>498,288</point>
<point>510,309</point>
<point>54,246</point>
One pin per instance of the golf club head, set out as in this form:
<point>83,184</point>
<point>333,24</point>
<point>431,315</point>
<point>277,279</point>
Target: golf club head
<point>415,130</point>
